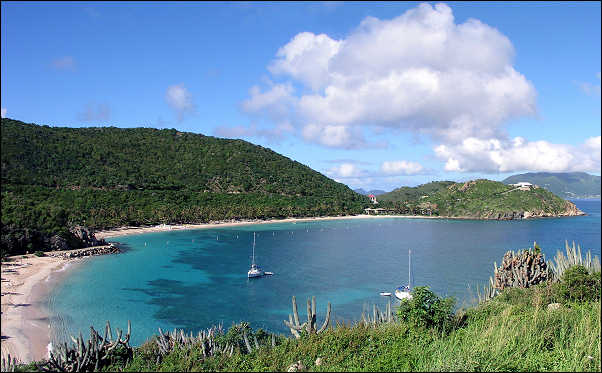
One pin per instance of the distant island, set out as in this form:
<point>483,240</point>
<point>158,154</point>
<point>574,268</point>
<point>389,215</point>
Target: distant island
<point>476,199</point>
<point>563,184</point>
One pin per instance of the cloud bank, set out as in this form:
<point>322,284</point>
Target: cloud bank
<point>493,155</point>
<point>419,72</point>
<point>3,112</point>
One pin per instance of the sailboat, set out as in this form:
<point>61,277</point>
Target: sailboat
<point>255,270</point>
<point>404,292</point>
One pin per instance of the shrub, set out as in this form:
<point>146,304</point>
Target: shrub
<point>577,284</point>
<point>39,253</point>
<point>426,309</point>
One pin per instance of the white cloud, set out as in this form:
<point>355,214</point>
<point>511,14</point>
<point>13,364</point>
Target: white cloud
<point>590,88</point>
<point>401,168</point>
<point>494,155</point>
<point>95,113</point>
<point>64,63</point>
<point>180,99</point>
<point>419,72</point>
<point>3,112</point>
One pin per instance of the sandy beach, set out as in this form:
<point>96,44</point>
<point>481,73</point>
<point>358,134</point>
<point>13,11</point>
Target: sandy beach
<point>123,231</point>
<point>25,285</point>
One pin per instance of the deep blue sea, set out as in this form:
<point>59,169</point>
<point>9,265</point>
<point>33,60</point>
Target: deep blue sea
<point>197,278</point>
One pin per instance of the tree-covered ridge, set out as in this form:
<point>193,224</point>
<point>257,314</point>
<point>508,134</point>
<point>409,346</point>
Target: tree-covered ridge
<point>483,199</point>
<point>563,184</point>
<point>407,194</point>
<point>152,159</point>
<point>106,177</point>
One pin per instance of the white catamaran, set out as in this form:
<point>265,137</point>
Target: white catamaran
<point>404,292</point>
<point>255,270</point>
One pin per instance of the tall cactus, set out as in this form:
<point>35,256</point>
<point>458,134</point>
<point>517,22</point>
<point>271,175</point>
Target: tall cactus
<point>88,356</point>
<point>522,269</point>
<point>310,324</point>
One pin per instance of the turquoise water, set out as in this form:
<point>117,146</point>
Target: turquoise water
<point>197,278</point>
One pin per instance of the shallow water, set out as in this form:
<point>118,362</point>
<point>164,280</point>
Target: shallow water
<point>197,278</point>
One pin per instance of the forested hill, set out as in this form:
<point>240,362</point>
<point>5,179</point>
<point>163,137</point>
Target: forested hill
<point>563,184</point>
<point>480,199</point>
<point>54,178</point>
<point>146,158</point>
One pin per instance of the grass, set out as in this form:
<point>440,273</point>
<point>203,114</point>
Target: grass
<point>513,332</point>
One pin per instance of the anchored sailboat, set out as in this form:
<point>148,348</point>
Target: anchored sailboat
<point>255,270</point>
<point>404,292</point>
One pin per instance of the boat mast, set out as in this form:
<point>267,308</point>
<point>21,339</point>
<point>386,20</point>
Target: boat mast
<point>253,249</point>
<point>409,267</point>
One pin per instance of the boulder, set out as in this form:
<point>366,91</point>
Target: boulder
<point>86,236</point>
<point>58,243</point>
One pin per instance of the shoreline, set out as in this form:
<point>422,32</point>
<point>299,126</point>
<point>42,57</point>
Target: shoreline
<point>27,281</point>
<point>126,231</point>
<point>131,230</point>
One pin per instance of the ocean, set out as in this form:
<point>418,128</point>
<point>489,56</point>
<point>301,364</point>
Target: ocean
<point>194,279</point>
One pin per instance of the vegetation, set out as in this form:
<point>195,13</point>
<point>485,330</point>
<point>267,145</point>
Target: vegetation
<point>481,199</point>
<point>105,177</point>
<point>563,184</point>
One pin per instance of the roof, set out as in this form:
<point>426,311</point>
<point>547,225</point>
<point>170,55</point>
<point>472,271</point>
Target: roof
<point>372,196</point>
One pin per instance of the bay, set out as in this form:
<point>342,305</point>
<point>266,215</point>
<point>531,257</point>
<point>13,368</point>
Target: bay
<point>194,279</point>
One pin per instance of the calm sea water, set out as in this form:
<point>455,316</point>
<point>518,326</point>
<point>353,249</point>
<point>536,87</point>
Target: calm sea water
<point>197,278</point>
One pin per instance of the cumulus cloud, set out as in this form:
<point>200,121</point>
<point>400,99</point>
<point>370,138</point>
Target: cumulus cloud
<point>3,112</point>
<point>590,88</point>
<point>401,168</point>
<point>95,113</point>
<point>345,170</point>
<point>494,155</point>
<point>64,63</point>
<point>419,72</point>
<point>180,100</point>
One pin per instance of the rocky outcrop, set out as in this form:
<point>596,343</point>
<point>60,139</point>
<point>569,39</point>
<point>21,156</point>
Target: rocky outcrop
<point>58,243</point>
<point>86,236</point>
<point>88,251</point>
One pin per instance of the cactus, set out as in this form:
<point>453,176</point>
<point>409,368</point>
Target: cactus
<point>573,257</point>
<point>378,317</point>
<point>204,339</point>
<point>310,324</point>
<point>522,269</point>
<point>87,356</point>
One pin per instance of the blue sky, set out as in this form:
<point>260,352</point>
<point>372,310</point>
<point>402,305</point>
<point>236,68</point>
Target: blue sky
<point>374,95</point>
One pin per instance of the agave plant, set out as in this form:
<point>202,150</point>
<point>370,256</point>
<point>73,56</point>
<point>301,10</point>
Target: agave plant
<point>573,257</point>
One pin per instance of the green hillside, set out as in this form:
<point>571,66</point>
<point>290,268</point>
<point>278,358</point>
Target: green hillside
<point>563,184</point>
<point>482,199</point>
<point>407,194</point>
<point>103,177</point>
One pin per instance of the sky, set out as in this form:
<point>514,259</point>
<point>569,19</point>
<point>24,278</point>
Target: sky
<point>375,95</point>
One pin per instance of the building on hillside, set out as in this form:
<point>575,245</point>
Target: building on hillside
<point>523,185</point>
<point>373,199</point>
